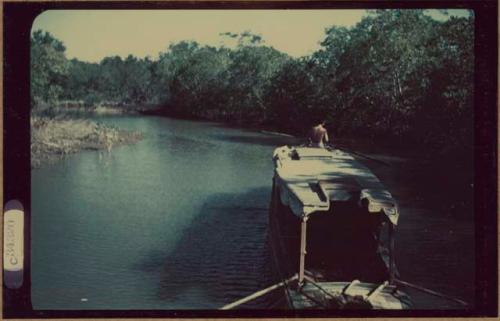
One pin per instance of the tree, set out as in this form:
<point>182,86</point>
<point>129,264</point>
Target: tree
<point>397,74</point>
<point>251,71</point>
<point>401,74</point>
<point>49,68</point>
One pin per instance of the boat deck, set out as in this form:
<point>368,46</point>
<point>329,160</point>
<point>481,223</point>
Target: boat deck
<point>310,296</point>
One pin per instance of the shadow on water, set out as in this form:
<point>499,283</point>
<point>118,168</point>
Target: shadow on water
<point>221,257</point>
<point>435,244</point>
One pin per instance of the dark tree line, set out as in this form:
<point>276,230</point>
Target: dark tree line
<point>397,74</point>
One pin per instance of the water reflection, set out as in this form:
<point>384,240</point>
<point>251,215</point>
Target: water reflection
<point>222,255</point>
<point>178,221</point>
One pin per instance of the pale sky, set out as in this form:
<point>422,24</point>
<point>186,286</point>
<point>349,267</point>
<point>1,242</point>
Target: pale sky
<point>91,35</point>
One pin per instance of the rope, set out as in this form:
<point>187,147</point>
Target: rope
<point>319,287</point>
<point>313,300</point>
<point>431,292</point>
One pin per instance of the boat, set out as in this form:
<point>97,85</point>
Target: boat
<point>331,232</point>
<point>332,226</point>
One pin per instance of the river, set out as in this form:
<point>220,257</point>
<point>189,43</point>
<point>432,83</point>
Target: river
<point>179,221</point>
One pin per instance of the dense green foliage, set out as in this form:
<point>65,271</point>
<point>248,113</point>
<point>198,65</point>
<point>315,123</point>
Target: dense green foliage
<point>397,74</point>
<point>49,68</point>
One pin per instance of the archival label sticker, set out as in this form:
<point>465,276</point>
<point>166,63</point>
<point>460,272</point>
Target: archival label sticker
<point>13,244</point>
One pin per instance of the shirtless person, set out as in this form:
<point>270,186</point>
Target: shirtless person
<point>318,135</point>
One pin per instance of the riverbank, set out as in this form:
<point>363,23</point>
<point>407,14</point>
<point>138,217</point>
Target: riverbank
<point>53,138</point>
<point>83,110</point>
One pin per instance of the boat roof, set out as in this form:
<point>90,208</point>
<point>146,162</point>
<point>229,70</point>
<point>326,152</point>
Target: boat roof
<point>310,178</point>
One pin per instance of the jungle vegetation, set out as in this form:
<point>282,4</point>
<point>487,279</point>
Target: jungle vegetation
<point>397,74</point>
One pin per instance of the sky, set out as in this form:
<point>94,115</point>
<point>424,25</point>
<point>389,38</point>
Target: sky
<point>91,35</point>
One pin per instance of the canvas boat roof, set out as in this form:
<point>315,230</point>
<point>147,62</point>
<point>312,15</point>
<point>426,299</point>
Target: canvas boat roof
<point>310,178</point>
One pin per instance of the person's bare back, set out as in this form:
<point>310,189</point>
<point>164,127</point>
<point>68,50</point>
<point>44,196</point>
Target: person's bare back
<point>319,135</point>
